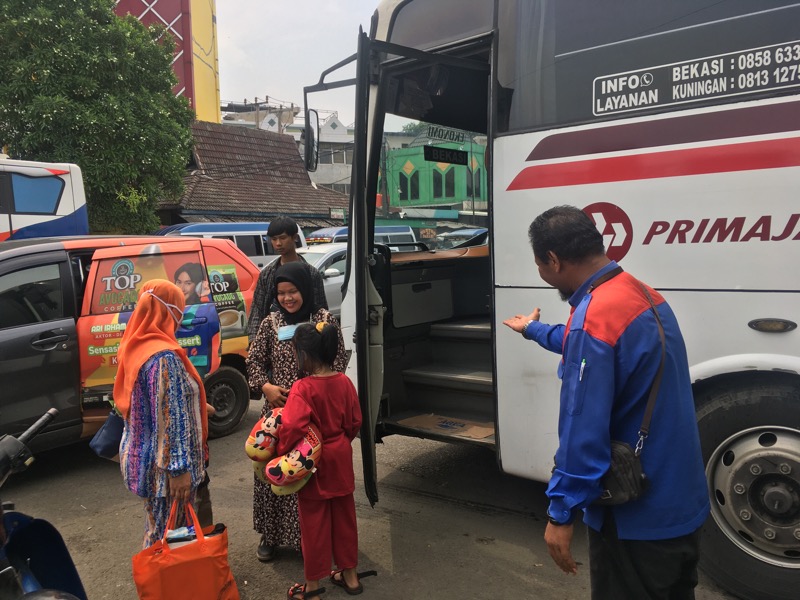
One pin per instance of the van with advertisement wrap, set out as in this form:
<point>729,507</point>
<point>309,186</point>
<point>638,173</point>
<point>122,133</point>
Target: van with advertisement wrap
<point>64,305</point>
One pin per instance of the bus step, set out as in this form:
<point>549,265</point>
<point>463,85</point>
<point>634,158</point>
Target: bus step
<point>435,431</point>
<point>473,329</point>
<point>451,377</point>
<point>466,343</point>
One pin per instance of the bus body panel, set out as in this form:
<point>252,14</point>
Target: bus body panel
<point>528,388</point>
<point>696,238</point>
<point>665,225</point>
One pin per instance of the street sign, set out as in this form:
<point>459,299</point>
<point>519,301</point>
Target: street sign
<point>444,155</point>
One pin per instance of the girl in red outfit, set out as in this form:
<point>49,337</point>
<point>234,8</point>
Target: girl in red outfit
<point>327,508</point>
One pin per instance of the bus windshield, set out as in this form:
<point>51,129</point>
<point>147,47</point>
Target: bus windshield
<point>436,179</point>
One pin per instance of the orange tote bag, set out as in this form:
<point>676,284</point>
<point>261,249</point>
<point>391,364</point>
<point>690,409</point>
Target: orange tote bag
<point>195,570</point>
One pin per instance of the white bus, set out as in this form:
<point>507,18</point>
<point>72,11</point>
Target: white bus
<point>41,200</point>
<point>676,127</point>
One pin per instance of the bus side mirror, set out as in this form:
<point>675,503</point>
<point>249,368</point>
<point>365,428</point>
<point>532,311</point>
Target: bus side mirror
<point>311,135</point>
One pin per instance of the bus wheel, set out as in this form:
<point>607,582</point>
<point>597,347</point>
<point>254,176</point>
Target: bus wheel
<point>227,391</point>
<point>750,433</point>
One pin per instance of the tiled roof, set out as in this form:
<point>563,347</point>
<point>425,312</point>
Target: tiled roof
<point>257,197</point>
<point>249,174</point>
<point>229,151</point>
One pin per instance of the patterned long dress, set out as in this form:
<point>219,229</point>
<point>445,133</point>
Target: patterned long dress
<point>163,437</point>
<point>273,361</point>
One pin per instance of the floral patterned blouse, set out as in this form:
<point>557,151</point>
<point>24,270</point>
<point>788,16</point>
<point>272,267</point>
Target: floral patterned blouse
<point>273,361</point>
<point>163,433</point>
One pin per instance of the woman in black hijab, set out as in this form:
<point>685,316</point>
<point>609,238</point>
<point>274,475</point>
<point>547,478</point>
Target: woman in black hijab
<point>293,280</point>
<point>271,370</point>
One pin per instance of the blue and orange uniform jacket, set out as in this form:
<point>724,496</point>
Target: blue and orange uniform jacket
<point>611,351</point>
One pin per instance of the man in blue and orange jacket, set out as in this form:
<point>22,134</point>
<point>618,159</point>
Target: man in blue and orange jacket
<point>611,351</point>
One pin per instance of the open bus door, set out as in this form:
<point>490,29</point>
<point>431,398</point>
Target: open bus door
<point>367,304</point>
<point>360,294</point>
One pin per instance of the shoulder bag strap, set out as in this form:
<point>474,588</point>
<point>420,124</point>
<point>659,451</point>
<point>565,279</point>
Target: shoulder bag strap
<point>605,277</point>
<point>644,429</point>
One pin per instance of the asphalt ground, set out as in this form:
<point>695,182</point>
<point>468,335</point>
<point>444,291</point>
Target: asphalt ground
<point>447,524</point>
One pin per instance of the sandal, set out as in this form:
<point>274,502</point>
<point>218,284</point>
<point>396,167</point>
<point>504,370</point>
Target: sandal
<point>338,579</point>
<point>298,592</point>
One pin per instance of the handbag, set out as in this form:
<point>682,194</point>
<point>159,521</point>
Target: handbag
<point>105,442</point>
<point>625,480</point>
<point>195,570</point>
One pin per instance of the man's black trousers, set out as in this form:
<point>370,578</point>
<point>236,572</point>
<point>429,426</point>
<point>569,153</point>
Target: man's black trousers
<point>641,570</point>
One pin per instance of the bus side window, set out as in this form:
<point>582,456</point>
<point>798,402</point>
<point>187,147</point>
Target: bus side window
<point>38,195</point>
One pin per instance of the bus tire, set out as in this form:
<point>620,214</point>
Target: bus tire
<point>750,435</point>
<point>227,391</point>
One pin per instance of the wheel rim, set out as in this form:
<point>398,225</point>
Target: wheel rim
<point>223,399</point>
<point>754,483</point>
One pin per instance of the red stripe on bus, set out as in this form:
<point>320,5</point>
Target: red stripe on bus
<point>749,156</point>
<point>58,171</point>
<point>705,127</point>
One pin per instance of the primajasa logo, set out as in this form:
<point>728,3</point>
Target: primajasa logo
<point>617,231</point>
<point>615,227</point>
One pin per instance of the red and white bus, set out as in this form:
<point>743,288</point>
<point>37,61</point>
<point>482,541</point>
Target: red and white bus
<point>676,127</point>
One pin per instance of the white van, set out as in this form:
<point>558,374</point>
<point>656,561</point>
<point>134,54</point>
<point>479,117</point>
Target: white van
<point>250,237</point>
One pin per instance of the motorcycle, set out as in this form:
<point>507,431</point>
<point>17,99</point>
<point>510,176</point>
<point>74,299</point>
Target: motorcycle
<point>34,561</point>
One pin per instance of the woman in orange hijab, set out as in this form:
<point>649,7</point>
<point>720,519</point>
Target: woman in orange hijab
<point>160,394</point>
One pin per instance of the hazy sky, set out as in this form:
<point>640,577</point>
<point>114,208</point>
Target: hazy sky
<point>275,47</point>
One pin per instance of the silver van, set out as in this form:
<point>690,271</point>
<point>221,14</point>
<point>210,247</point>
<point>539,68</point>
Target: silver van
<point>250,237</point>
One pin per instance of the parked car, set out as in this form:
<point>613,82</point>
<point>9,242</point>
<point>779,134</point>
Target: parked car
<point>250,237</point>
<point>331,260</point>
<point>64,304</point>
<point>390,235</point>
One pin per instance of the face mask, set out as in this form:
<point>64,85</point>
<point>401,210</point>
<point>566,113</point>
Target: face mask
<point>169,307</point>
<point>286,332</point>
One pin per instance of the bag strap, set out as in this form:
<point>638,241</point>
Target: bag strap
<point>605,277</point>
<point>191,518</point>
<point>644,428</point>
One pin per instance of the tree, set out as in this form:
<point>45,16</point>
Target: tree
<point>415,128</point>
<point>80,84</point>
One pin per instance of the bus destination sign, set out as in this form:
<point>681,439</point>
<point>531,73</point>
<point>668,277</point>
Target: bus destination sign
<point>444,155</point>
<point>733,74</point>
<point>436,132</point>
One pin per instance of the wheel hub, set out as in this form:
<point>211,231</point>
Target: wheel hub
<point>223,399</point>
<point>779,500</point>
<point>753,477</point>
